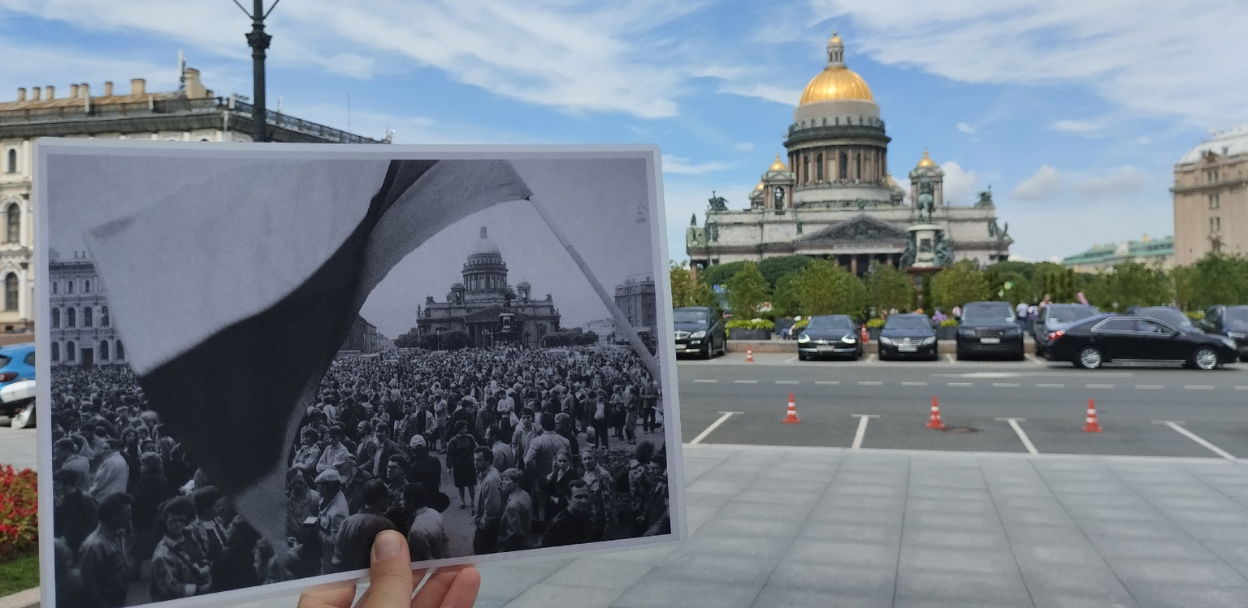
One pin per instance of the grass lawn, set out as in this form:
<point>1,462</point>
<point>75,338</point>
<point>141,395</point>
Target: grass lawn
<point>19,574</point>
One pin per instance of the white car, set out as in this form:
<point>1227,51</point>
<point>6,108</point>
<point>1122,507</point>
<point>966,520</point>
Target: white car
<point>18,399</point>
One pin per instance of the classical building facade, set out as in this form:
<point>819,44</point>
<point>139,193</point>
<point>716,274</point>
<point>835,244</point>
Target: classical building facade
<point>1211,197</point>
<point>833,197</point>
<point>1157,253</point>
<point>191,113</point>
<point>636,298</point>
<point>82,332</point>
<point>486,307</point>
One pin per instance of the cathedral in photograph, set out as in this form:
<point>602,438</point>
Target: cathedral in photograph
<point>833,196</point>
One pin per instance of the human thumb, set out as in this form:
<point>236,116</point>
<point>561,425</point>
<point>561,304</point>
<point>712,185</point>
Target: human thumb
<point>390,576</point>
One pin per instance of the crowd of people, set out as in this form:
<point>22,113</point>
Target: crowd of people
<point>466,452</point>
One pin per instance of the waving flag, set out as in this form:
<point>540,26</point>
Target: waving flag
<point>233,304</point>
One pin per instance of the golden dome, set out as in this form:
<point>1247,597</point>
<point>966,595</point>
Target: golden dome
<point>926,161</point>
<point>758,187</point>
<point>778,165</point>
<point>836,81</point>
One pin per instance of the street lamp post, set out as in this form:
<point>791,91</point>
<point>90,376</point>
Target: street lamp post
<point>259,43</point>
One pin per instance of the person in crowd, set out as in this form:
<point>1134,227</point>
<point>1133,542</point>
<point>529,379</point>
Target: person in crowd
<point>355,537</point>
<point>335,450</point>
<point>129,451</point>
<point>504,458</point>
<point>111,473</point>
<point>423,467</point>
<point>74,512</point>
<point>459,452</point>
<point>598,479</point>
<point>396,478</point>
<point>353,480</point>
<point>65,456</point>
<point>523,435</point>
<point>600,420</point>
<point>71,590</point>
<point>540,460</point>
<point>555,485</point>
<point>309,451</point>
<point>426,537</point>
<point>235,569</point>
<point>507,419</point>
<point>104,560</point>
<point>649,407</point>
<point>301,502</point>
<point>488,512</point>
<point>178,568</point>
<point>330,514</point>
<point>516,526</point>
<point>207,528</point>
<point>573,525</point>
<point>565,428</point>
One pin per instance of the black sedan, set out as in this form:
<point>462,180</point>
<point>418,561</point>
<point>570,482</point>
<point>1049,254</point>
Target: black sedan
<point>908,335</point>
<point>1098,340</point>
<point>989,328</point>
<point>829,335</point>
<point>1232,322</point>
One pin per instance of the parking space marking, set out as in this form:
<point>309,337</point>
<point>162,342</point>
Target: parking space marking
<point>1149,387</point>
<point>862,429</point>
<point>1198,387</point>
<point>959,384</point>
<point>1241,388</point>
<point>950,358</point>
<point>869,383</point>
<point>827,381</point>
<point>1177,426</point>
<point>1006,384</point>
<point>1018,430</point>
<point>1098,386</point>
<point>1050,386</point>
<point>791,359</point>
<point>1035,359</point>
<point>787,382</point>
<point>714,425</point>
<point>914,384</point>
<point>745,381</point>
<point>872,358</point>
<point>705,381</point>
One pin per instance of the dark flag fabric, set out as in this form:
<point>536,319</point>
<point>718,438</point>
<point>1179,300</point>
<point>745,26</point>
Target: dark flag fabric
<point>230,336</point>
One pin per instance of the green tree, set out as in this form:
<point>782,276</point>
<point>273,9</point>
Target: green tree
<point>747,290</point>
<point>1184,280</point>
<point>774,268</point>
<point>786,297</point>
<point>1057,282</point>
<point>719,274</point>
<point>684,287</point>
<point>1131,284</point>
<point>1219,279</point>
<point>958,284</point>
<point>825,288</point>
<point>889,287</point>
<point>925,291</point>
<point>408,340</point>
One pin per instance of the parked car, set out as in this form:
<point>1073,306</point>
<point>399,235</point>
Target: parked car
<point>17,401</point>
<point>1097,340</point>
<point>1053,317</point>
<point>700,331</point>
<point>1229,321</point>
<point>989,328</point>
<point>908,335</point>
<point>1166,314</point>
<point>829,335</point>
<point>17,365</point>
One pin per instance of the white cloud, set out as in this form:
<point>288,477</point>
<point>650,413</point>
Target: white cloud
<point>1044,184</point>
<point>960,184</point>
<point>966,128</point>
<point>781,95</point>
<point>1118,182</point>
<point>682,166</point>
<point>744,146</point>
<point>1077,127</point>
<point>1160,58</point>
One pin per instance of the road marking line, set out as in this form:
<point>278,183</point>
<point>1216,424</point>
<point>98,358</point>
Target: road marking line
<point>705,381</point>
<point>827,381</point>
<point>714,425</point>
<point>1241,388</point>
<point>869,383</point>
<point>1050,386</point>
<point>1149,387</point>
<point>1018,430</point>
<point>1099,386</point>
<point>1194,437</point>
<point>1198,387</point>
<point>745,381</point>
<point>959,384</point>
<point>1006,384</point>
<point>872,358</point>
<point>1035,359</point>
<point>787,382</point>
<point>914,384</point>
<point>950,358</point>
<point>791,359</point>
<point>862,429</point>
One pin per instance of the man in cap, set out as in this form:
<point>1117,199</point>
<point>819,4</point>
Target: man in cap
<point>335,450</point>
<point>332,512</point>
<point>112,474</point>
<point>423,467</point>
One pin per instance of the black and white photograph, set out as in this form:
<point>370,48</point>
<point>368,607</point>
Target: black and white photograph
<point>258,357</point>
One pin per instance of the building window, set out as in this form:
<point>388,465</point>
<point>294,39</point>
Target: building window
<point>88,317</point>
<point>11,165</point>
<point>104,350</point>
<point>56,351</point>
<point>56,318</point>
<point>10,291</point>
<point>69,286</point>
<point>843,171</point>
<point>103,316</point>
<point>1215,200</point>
<point>13,223</point>
<point>71,317</point>
<point>71,353</point>
<point>819,167</point>
<point>86,286</point>
<point>1215,224</point>
<point>121,352</point>
<point>55,284</point>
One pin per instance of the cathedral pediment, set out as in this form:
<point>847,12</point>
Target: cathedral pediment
<point>860,228</point>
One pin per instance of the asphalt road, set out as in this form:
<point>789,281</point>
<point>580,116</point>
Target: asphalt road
<point>999,406</point>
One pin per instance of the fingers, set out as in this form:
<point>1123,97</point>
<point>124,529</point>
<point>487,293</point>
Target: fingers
<point>453,587</point>
<point>390,576</point>
<point>333,595</point>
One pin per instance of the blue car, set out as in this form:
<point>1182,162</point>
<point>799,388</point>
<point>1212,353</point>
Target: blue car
<point>17,366</point>
<point>17,362</point>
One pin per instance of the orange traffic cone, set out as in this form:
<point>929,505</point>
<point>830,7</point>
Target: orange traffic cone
<point>1091,424</point>
<point>790,417</point>
<point>749,355</point>
<point>934,421</point>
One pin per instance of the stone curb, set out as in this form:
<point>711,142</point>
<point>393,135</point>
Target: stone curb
<point>22,599</point>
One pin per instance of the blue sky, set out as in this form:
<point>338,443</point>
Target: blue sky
<point>1074,112</point>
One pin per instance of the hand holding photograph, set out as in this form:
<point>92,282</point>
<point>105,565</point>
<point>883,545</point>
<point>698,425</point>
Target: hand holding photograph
<point>262,356</point>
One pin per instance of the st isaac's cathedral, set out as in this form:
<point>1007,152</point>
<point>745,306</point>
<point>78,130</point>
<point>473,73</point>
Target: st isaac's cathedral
<point>834,197</point>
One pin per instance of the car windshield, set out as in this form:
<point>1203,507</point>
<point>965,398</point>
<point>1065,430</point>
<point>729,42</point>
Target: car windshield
<point>1069,314</point>
<point>691,316</point>
<point>989,311</point>
<point>1238,314</point>
<point>907,322</point>
<point>830,324</point>
<point>1169,315</point>
<point>4,360</point>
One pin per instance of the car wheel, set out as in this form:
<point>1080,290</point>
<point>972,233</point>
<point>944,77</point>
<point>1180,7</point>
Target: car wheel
<point>801,357</point>
<point>23,418</point>
<point>1205,358</point>
<point>1089,357</point>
